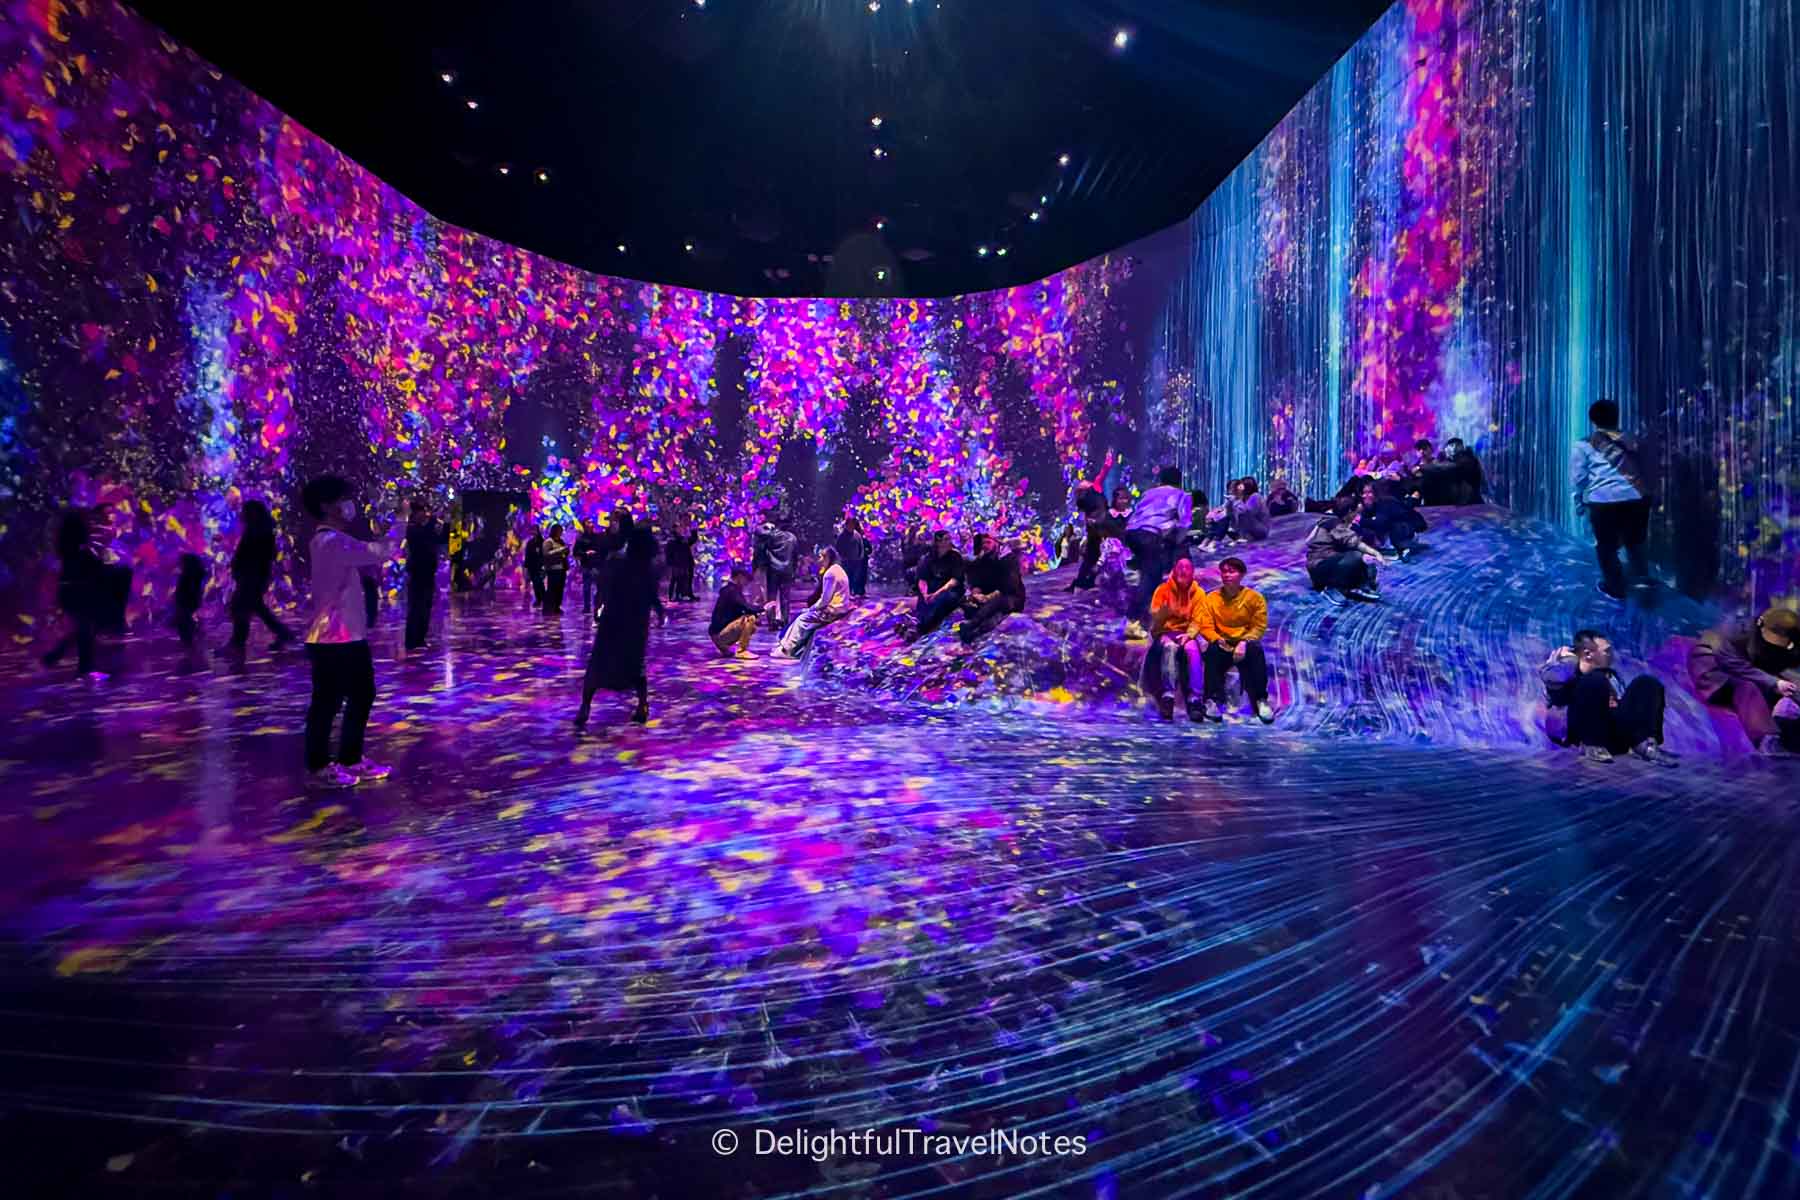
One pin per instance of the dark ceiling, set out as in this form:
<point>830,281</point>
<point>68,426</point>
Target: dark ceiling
<point>729,145</point>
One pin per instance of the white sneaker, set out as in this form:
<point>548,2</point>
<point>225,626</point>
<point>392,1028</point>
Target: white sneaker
<point>365,770</point>
<point>332,776</point>
<point>1264,713</point>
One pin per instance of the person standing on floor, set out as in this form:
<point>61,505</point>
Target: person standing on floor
<point>534,565</point>
<point>79,593</point>
<point>778,549</point>
<point>854,548</point>
<point>1160,516</point>
<point>337,640</point>
<point>589,552</point>
<point>423,537</point>
<point>190,590</point>
<point>556,571</point>
<point>679,551</point>
<point>252,569</point>
<point>1607,477</point>
<point>622,632</point>
<point>459,555</point>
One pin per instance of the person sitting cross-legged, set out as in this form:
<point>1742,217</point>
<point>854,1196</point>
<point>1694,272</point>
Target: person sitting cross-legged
<point>734,617</point>
<point>1338,559</point>
<point>940,586</point>
<point>833,604</point>
<point>1231,623</point>
<point>1173,635</point>
<point>1754,669</point>
<point>1606,715</point>
<point>996,588</point>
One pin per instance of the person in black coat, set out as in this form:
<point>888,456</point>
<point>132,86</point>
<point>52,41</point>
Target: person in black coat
<point>679,551</point>
<point>996,589</point>
<point>534,565</point>
<point>622,633</point>
<point>80,589</point>
<point>854,547</point>
<point>252,568</point>
<point>423,537</point>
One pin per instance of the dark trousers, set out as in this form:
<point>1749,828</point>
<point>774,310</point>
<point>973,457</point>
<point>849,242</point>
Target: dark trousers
<point>247,602</point>
<point>1626,524</point>
<point>777,586</point>
<point>1252,669</point>
<point>1594,720</point>
<point>590,587</point>
<point>1098,530</point>
<point>1343,570</point>
<point>859,577</point>
<point>1401,536</point>
<point>459,572</point>
<point>1755,710</point>
<point>555,583</point>
<point>979,618</point>
<point>681,581</point>
<point>934,612</point>
<point>535,576</point>
<point>1154,558</point>
<point>371,601</point>
<point>82,638</point>
<point>187,624</point>
<point>421,590</point>
<point>343,675</point>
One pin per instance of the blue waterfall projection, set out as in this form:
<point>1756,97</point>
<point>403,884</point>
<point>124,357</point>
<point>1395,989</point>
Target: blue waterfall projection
<point>1492,213</point>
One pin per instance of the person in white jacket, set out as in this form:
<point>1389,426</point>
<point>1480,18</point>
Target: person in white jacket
<point>337,640</point>
<point>832,605</point>
<point>1606,479</point>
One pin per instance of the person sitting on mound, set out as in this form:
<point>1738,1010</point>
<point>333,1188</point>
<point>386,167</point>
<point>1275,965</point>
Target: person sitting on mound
<point>1606,716</point>
<point>940,586</point>
<point>833,604</point>
<point>1754,669</point>
<point>1100,523</point>
<point>1282,499</point>
<point>996,589</point>
<point>1174,635</point>
<point>734,618</point>
<point>1231,623</point>
<point>1340,562</point>
<point>1384,520</point>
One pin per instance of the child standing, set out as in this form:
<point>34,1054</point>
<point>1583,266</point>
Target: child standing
<point>337,641</point>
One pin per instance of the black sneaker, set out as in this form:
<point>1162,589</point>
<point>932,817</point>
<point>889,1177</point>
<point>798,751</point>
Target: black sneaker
<point>1336,596</point>
<point>1166,706</point>
<point>1366,594</point>
<point>1196,711</point>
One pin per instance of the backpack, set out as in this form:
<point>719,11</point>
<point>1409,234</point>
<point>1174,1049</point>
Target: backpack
<point>1627,457</point>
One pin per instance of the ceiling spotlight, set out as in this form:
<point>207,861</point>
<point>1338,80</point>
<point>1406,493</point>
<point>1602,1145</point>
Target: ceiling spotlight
<point>1121,39</point>
<point>1043,199</point>
<point>504,169</point>
<point>621,247</point>
<point>473,104</point>
<point>1036,215</point>
<point>447,76</point>
<point>874,5</point>
<point>880,274</point>
<point>688,246</point>
<point>543,177</point>
<point>874,122</point>
<point>699,3</point>
<point>981,252</point>
<point>1062,160</point>
<point>880,224</point>
<point>880,153</point>
<point>1001,252</point>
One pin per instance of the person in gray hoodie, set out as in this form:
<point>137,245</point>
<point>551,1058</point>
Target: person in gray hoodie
<point>1338,560</point>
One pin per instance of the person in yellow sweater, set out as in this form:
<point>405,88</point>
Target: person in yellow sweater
<point>1173,609</point>
<point>1230,624</point>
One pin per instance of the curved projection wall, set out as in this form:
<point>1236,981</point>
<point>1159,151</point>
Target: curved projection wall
<point>1490,213</point>
<point>200,301</point>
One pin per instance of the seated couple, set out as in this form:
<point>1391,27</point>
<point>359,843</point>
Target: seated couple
<point>1753,669</point>
<point>1197,632</point>
<point>1601,715</point>
<point>988,588</point>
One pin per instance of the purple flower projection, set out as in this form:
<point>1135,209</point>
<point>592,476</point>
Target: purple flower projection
<point>205,303</point>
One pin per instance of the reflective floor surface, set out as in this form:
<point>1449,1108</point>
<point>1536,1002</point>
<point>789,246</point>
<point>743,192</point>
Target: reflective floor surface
<point>1230,961</point>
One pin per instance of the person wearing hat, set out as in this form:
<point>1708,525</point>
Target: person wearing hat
<point>1754,669</point>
